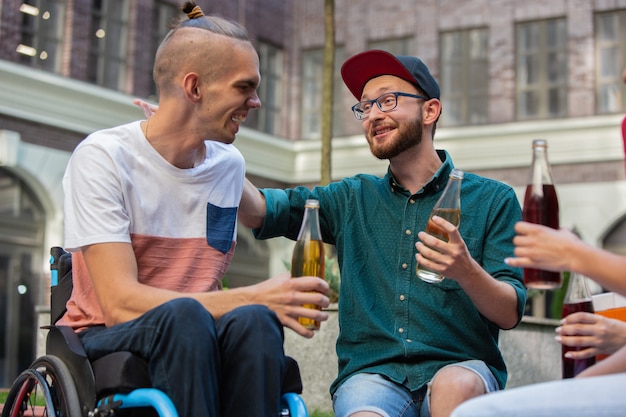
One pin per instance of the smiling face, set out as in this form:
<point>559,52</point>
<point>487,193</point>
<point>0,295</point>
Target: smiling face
<point>229,91</point>
<point>212,79</point>
<point>391,133</point>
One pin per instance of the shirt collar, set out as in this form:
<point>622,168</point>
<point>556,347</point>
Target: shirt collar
<point>436,183</point>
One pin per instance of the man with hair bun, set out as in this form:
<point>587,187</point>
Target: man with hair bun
<point>150,219</point>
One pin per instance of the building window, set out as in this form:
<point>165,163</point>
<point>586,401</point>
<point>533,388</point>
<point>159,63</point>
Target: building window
<point>464,80</point>
<point>268,117</point>
<point>163,16</point>
<point>41,42</point>
<point>541,69</point>
<point>107,64</point>
<point>399,46</point>
<point>610,61</point>
<point>312,68</point>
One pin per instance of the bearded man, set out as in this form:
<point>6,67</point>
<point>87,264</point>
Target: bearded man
<point>407,347</point>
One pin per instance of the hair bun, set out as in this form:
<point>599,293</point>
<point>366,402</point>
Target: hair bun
<point>192,10</point>
<point>195,13</point>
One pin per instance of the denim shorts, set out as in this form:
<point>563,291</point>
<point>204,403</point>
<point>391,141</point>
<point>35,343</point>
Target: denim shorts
<point>377,394</point>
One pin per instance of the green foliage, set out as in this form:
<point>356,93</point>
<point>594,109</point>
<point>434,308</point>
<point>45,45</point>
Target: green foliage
<point>558,296</point>
<point>317,413</point>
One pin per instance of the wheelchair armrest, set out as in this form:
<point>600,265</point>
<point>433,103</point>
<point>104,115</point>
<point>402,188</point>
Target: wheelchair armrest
<point>292,381</point>
<point>64,343</point>
<point>120,372</point>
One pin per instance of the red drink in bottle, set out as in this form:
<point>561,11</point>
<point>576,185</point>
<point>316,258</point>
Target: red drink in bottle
<point>541,206</point>
<point>572,367</point>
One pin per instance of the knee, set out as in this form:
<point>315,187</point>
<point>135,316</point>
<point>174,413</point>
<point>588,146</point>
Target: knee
<point>183,317</point>
<point>257,322</point>
<point>459,380</point>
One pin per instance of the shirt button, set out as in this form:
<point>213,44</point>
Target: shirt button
<point>407,232</point>
<point>412,201</point>
<point>401,330</point>
<point>401,297</point>
<point>408,340</point>
<point>405,265</point>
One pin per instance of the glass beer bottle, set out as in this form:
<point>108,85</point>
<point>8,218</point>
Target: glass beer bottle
<point>308,254</point>
<point>447,207</point>
<point>578,298</point>
<point>541,206</point>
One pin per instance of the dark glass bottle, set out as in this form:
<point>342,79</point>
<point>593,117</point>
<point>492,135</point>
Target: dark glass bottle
<point>447,207</point>
<point>541,206</point>
<point>308,254</point>
<point>577,298</point>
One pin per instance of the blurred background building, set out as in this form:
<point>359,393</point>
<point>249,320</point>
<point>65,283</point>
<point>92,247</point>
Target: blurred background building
<point>510,72</point>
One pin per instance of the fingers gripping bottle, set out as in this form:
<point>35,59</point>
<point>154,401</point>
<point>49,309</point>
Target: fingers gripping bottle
<point>577,298</point>
<point>308,254</point>
<point>447,207</point>
<point>541,206</point>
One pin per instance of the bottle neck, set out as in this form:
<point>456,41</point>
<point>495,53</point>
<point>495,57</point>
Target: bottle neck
<point>540,173</point>
<point>577,290</point>
<point>310,228</point>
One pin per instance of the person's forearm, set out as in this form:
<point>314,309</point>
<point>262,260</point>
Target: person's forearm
<point>252,207</point>
<point>604,267</point>
<point>615,363</point>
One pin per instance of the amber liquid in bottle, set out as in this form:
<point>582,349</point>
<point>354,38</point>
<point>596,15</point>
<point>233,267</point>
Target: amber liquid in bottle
<point>541,208</point>
<point>572,367</point>
<point>454,217</point>
<point>308,260</point>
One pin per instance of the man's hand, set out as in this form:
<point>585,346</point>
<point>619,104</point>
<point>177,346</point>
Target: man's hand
<point>451,259</point>
<point>286,296</point>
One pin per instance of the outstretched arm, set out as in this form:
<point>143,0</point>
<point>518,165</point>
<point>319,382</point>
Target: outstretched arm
<point>542,247</point>
<point>113,266</point>
<point>252,207</point>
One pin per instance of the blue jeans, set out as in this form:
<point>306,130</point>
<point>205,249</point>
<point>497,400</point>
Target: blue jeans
<point>375,393</point>
<point>232,366</point>
<point>601,396</point>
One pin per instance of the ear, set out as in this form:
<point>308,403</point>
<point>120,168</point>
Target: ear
<point>191,86</point>
<point>431,111</point>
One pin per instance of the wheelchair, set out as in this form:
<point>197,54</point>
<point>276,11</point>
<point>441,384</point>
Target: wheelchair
<point>64,383</point>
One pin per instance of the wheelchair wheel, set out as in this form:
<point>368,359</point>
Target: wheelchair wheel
<point>45,389</point>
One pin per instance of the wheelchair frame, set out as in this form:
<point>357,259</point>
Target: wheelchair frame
<point>70,385</point>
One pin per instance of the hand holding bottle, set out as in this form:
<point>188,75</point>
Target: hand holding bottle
<point>448,207</point>
<point>308,254</point>
<point>598,335</point>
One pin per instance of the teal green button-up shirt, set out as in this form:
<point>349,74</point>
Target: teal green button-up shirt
<point>391,322</point>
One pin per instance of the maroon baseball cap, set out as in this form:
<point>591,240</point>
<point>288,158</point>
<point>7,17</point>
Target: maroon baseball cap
<point>361,68</point>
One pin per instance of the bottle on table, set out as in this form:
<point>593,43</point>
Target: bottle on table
<point>541,206</point>
<point>577,298</point>
<point>308,254</point>
<point>447,207</point>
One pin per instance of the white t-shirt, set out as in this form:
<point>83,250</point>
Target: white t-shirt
<point>180,222</point>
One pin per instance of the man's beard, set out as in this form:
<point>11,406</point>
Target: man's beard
<point>409,135</point>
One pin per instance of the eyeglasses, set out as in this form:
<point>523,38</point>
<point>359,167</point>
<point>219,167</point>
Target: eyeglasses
<point>386,103</point>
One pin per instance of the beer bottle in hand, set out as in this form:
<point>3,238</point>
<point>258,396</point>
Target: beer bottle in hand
<point>308,254</point>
